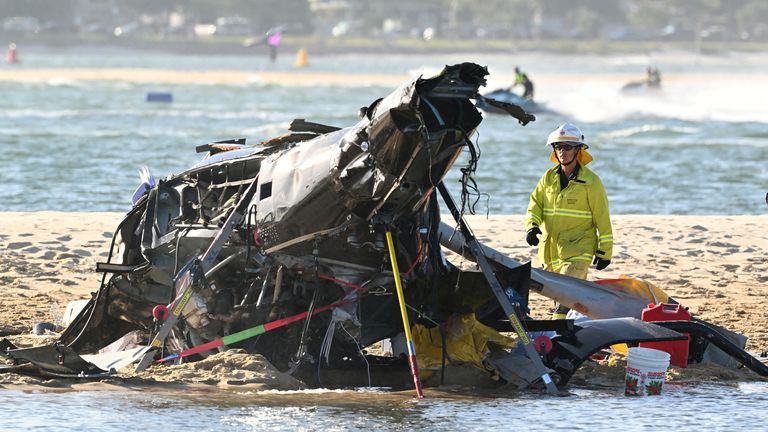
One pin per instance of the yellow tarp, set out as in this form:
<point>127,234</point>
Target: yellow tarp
<point>637,288</point>
<point>466,342</point>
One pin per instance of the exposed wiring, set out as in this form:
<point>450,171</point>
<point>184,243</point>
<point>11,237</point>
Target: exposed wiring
<point>362,354</point>
<point>470,194</point>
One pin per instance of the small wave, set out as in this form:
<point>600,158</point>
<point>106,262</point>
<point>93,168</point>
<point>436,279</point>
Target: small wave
<point>64,82</point>
<point>355,84</point>
<point>266,130</point>
<point>424,71</point>
<point>250,114</point>
<point>650,129</point>
<point>258,81</point>
<point>219,115</point>
<point>321,391</point>
<point>37,113</point>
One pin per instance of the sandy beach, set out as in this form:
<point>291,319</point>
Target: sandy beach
<point>308,77</point>
<point>198,77</point>
<point>716,266</point>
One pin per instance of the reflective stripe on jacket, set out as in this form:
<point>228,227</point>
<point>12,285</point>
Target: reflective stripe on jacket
<point>575,221</point>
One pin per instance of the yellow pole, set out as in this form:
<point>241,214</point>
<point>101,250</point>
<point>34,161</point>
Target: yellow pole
<point>404,314</point>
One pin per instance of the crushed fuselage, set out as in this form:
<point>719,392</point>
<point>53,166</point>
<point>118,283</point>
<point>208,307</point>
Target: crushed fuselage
<point>279,248</point>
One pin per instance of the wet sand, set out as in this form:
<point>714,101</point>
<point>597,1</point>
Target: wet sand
<point>717,266</point>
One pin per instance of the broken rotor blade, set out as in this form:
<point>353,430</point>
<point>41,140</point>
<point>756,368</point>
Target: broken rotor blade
<point>587,297</point>
<point>515,111</point>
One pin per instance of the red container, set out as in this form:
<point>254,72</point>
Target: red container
<point>678,350</point>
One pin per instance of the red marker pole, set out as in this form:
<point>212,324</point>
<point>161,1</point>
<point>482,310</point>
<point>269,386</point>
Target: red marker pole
<point>404,313</point>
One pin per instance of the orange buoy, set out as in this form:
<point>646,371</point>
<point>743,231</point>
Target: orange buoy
<point>301,58</point>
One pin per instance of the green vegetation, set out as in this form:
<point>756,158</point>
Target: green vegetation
<point>696,21</point>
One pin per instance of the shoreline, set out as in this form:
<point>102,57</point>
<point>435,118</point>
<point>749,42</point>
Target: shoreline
<point>716,266</point>
<point>175,76</point>
<point>308,77</point>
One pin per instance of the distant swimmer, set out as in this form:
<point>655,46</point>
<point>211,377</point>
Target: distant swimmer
<point>522,79</point>
<point>272,39</point>
<point>11,55</point>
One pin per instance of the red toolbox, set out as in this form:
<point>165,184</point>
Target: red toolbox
<point>678,350</point>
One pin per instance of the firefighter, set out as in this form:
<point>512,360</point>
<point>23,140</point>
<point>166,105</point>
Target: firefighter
<point>569,209</point>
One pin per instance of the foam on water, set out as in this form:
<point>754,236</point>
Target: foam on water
<point>645,129</point>
<point>718,98</point>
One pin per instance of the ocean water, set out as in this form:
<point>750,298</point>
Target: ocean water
<point>711,407</point>
<point>699,146</point>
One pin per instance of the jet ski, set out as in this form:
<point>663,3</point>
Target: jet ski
<point>506,95</point>
<point>635,87</point>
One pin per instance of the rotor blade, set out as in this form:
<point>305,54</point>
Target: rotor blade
<point>514,110</point>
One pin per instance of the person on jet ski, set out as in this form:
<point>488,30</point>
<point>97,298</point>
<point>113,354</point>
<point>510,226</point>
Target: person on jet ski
<point>522,79</point>
<point>652,77</point>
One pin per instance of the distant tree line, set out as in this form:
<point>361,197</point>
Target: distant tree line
<point>531,19</point>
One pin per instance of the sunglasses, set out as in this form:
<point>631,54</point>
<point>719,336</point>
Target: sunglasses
<point>565,146</point>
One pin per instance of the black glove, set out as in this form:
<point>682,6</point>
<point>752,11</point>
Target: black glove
<point>601,263</point>
<point>532,236</point>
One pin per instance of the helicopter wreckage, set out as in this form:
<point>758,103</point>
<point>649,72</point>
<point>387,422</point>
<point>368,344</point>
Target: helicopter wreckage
<point>293,248</point>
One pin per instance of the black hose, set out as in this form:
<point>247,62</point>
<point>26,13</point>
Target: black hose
<point>701,329</point>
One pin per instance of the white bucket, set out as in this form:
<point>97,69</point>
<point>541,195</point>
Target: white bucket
<point>646,371</point>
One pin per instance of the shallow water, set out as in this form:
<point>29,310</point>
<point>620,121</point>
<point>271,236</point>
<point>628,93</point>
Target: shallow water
<point>710,407</point>
<point>699,146</point>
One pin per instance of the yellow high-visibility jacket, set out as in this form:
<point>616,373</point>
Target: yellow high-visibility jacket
<point>575,221</point>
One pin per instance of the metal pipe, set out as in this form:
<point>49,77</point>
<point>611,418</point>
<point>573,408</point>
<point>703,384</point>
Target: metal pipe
<point>223,262</point>
<point>263,288</point>
<point>278,284</point>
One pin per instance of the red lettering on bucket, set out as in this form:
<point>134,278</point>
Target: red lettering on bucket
<point>645,380</point>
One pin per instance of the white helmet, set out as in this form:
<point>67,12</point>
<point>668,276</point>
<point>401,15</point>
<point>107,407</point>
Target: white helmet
<point>567,132</point>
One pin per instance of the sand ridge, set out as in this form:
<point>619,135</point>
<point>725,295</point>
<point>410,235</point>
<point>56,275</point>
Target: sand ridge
<point>172,76</point>
<point>308,77</point>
